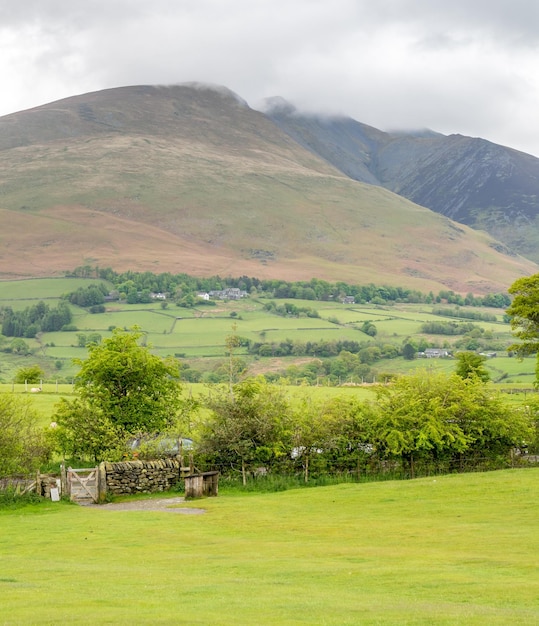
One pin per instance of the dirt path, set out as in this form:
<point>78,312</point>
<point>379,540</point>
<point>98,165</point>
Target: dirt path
<point>168,505</point>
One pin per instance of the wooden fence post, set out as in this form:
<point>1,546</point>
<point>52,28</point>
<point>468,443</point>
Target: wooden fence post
<point>101,483</point>
<point>63,481</point>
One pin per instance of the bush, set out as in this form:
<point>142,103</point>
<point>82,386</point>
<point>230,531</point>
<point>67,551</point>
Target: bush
<point>23,446</point>
<point>11,499</point>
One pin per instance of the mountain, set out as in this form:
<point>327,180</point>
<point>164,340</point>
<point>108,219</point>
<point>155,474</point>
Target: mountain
<point>472,181</point>
<point>189,178</point>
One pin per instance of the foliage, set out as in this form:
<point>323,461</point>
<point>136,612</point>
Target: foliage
<point>524,314</point>
<point>369,328</point>
<point>23,445</point>
<point>470,364</point>
<point>91,295</point>
<point>12,499</point>
<point>425,418</point>
<point>464,313</point>
<point>32,320</point>
<point>288,309</point>
<point>84,339</point>
<point>443,416</point>
<point>331,435</point>
<point>247,426</point>
<point>122,390</point>
<point>409,351</point>
<point>84,432</point>
<point>177,286</point>
<point>30,374</point>
<point>447,328</point>
<point>135,389</point>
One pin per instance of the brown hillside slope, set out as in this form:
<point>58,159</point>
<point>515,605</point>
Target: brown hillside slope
<point>190,179</point>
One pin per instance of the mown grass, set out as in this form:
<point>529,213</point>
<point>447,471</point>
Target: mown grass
<point>459,549</point>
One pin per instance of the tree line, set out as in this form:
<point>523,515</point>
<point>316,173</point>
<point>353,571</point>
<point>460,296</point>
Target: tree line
<point>178,286</point>
<point>425,420</point>
<point>34,319</point>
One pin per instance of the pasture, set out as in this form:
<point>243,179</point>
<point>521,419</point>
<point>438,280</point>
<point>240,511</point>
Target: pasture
<point>457,549</point>
<point>199,334</point>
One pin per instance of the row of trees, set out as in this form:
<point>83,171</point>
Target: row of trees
<point>123,392</point>
<point>422,419</point>
<point>464,314</point>
<point>133,284</point>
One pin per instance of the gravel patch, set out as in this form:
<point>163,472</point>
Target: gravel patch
<point>169,505</point>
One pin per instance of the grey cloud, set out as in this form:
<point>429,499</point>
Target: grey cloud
<point>460,66</point>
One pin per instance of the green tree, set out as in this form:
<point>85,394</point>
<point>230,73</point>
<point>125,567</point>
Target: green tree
<point>235,365</point>
<point>409,351</point>
<point>85,432</point>
<point>524,317</point>
<point>524,313</point>
<point>431,415</point>
<point>247,426</point>
<point>30,374</point>
<point>369,328</point>
<point>471,364</point>
<point>329,435</point>
<point>123,390</point>
<point>23,445</point>
<point>19,346</point>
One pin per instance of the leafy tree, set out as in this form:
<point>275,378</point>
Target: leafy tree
<point>123,390</point>
<point>235,365</point>
<point>84,431</point>
<point>328,434</point>
<point>247,426</point>
<point>431,415</point>
<point>369,328</point>
<point>524,314</point>
<point>23,445</point>
<point>30,374</point>
<point>409,351</point>
<point>471,364</point>
<point>19,346</point>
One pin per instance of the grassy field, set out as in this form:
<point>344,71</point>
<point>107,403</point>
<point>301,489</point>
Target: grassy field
<point>457,549</point>
<point>44,403</point>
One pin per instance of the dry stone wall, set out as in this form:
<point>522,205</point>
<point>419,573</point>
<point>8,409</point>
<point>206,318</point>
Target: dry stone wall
<point>141,476</point>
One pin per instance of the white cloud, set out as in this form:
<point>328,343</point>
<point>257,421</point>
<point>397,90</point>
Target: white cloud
<point>459,66</point>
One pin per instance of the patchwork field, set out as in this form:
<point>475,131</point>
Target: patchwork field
<point>198,334</point>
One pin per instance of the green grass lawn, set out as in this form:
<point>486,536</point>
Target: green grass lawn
<point>457,549</point>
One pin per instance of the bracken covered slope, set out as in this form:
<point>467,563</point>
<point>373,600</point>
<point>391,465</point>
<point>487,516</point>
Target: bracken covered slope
<point>190,179</point>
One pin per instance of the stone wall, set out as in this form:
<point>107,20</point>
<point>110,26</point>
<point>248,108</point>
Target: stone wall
<point>141,476</point>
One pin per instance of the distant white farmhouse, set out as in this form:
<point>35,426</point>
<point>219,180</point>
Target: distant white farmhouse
<point>231,293</point>
<point>434,353</point>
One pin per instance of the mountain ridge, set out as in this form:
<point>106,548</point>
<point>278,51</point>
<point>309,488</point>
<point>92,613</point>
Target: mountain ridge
<point>471,180</point>
<point>190,178</point>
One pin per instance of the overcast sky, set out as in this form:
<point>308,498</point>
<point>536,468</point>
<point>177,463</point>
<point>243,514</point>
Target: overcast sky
<point>454,66</point>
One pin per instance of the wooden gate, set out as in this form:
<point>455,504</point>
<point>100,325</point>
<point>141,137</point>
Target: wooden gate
<point>83,485</point>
